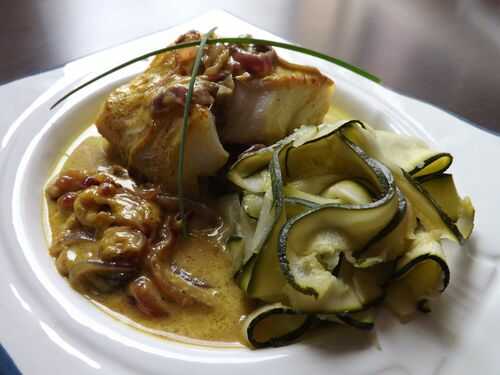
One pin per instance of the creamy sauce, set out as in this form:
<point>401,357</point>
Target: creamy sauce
<point>202,257</point>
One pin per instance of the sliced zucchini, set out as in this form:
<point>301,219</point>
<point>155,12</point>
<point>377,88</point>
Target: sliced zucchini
<point>432,166</point>
<point>351,226</point>
<point>310,270</point>
<point>442,190</point>
<point>308,159</point>
<point>245,274</point>
<point>249,172</point>
<point>444,193</point>
<point>337,231</point>
<point>291,191</point>
<point>420,274</point>
<point>466,214</point>
<point>252,204</point>
<point>428,212</point>
<point>367,284</point>
<point>258,182</point>
<point>266,281</point>
<point>274,325</point>
<point>295,206</point>
<point>239,230</point>
<point>235,247</point>
<point>348,192</point>
<point>393,240</point>
<point>339,297</point>
<point>341,192</point>
<point>384,147</point>
<point>316,184</point>
<point>363,320</point>
<point>410,154</point>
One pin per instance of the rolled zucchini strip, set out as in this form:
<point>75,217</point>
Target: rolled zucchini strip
<point>393,240</point>
<point>443,192</point>
<point>337,226</point>
<point>274,325</point>
<point>383,147</point>
<point>432,166</point>
<point>249,171</point>
<point>348,192</point>
<point>420,274</point>
<point>262,278</point>
<point>432,207</point>
<point>331,228</point>
<point>295,206</point>
<point>240,230</point>
<point>340,192</point>
<point>363,320</point>
<point>252,204</point>
<point>411,154</point>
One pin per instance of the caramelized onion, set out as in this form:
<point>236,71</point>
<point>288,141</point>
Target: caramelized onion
<point>71,180</point>
<point>98,276</point>
<point>147,297</point>
<point>257,62</point>
<point>173,286</point>
<point>186,276</point>
<point>65,202</point>
<point>69,237</point>
<point>97,209</point>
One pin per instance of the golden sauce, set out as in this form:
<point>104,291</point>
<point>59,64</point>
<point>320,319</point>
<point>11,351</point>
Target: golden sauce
<point>202,257</point>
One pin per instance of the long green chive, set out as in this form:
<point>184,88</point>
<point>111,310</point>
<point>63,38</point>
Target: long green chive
<point>187,106</point>
<point>185,125</point>
<point>240,40</point>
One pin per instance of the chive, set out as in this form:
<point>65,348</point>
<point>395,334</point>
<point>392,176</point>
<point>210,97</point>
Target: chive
<point>187,105</point>
<point>239,40</point>
<point>185,125</point>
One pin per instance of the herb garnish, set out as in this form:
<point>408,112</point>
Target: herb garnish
<point>185,125</point>
<point>187,106</point>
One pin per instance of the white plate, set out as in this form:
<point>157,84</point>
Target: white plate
<point>48,328</point>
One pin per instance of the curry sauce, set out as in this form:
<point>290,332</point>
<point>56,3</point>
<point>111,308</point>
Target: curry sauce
<point>201,256</point>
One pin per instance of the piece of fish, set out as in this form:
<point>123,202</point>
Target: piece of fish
<point>256,96</point>
<point>143,120</point>
<point>266,109</point>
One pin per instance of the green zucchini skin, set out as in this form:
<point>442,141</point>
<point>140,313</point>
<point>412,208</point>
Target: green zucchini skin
<point>340,129</point>
<point>363,320</point>
<point>282,340</point>
<point>414,262</point>
<point>348,319</point>
<point>260,277</point>
<point>387,193</point>
<point>393,224</point>
<point>447,221</point>
<point>416,172</point>
<point>307,236</point>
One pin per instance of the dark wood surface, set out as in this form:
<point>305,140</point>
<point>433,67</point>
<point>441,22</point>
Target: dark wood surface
<point>444,52</point>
